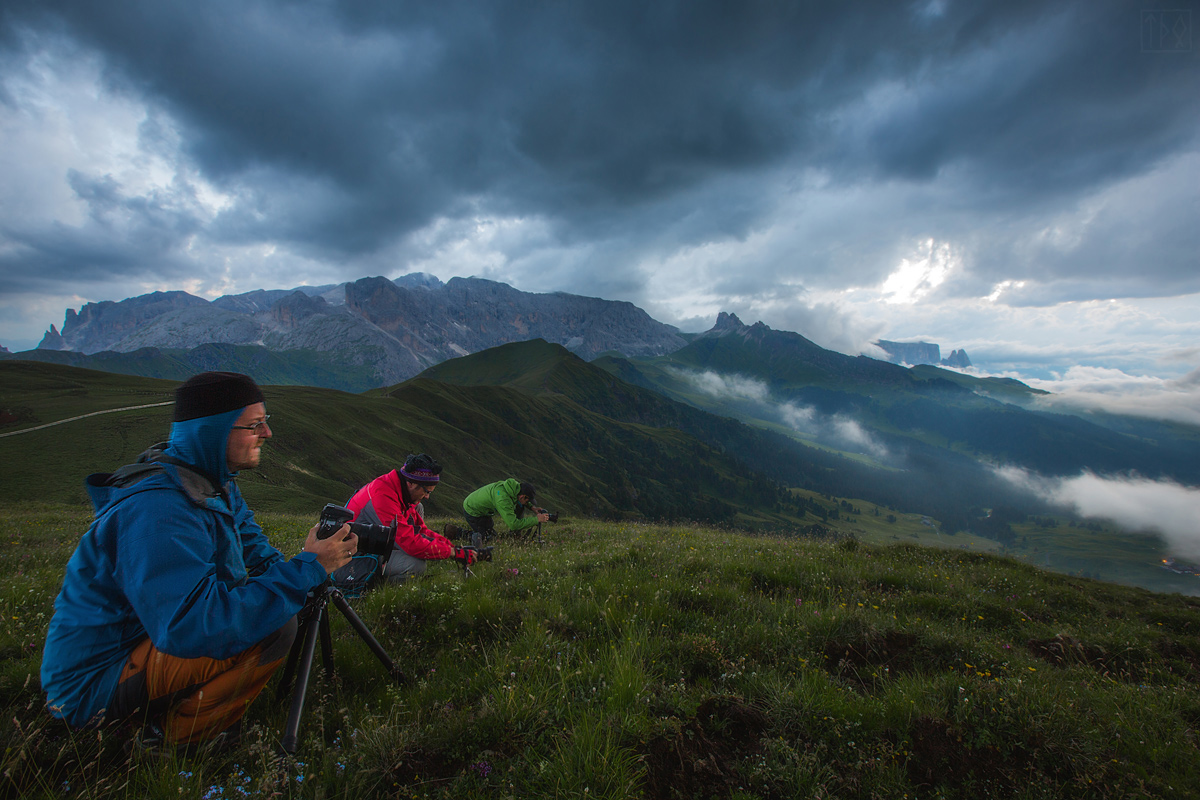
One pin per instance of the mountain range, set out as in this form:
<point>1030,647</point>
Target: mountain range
<point>362,334</point>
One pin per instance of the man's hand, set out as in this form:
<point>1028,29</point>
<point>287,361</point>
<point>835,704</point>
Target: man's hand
<point>543,516</point>
<point>333,551</point>
<point>464,555</point>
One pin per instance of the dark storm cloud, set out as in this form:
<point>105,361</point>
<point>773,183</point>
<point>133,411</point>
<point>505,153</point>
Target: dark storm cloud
<point>339,128</point>
<point>1047,104</point>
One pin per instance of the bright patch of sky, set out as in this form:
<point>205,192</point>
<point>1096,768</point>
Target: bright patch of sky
<point>919,275</point>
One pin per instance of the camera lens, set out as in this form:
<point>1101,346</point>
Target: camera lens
<point>375,540</point>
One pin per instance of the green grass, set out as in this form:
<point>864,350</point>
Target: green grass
<point>625,660</point>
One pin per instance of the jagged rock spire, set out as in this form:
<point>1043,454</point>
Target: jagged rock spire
<point>53,340</point>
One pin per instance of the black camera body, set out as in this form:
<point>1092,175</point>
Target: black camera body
<point>332,518</point>
<point>553,515</point>
<point>375,540</point>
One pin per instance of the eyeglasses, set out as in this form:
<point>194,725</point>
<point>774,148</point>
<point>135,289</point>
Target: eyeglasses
<point>257,427</point>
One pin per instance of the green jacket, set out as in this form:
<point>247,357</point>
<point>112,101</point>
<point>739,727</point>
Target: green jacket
<point>500,498</point>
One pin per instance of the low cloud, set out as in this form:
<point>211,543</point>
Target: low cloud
<point>858,438</point>
<point>1136,504</point>
<point>726,387</point>
<point>1113,391</point>
<point>799,418</point>
<point>836,430</point>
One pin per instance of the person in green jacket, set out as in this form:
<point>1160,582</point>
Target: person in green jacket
<point>508,498</point>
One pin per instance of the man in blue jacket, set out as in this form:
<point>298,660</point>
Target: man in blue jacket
<point>175,609</point>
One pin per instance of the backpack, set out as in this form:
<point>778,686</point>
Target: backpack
<point>364,572</point>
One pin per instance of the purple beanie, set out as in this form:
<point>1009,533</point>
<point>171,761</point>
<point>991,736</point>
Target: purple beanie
<point>421,469</point>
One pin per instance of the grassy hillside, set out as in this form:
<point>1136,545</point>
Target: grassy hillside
<point>787,360</point>
<point>990,419</point>
<point>549,424</point>
<point>625,661</point>
<point>327,443</point>
<point>1005,389</point>
<point>290,367</point>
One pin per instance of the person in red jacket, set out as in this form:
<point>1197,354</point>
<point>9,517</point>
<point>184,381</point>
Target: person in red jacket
<point>395,497</point>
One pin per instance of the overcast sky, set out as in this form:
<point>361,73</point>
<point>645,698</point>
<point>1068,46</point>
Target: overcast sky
<point>1020,179</point>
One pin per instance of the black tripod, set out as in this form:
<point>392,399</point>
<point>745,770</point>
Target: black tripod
<point>314,619</point>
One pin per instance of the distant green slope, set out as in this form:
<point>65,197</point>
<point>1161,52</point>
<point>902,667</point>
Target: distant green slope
<point>786,360</point>
<point>932,409</point>
<point>1005,389</point>
<point>934,480</point>
<point>538,368</point>
<point>289,367</point>
<point>327,443</point>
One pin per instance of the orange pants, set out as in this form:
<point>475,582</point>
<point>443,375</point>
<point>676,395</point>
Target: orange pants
<point>197,698</point>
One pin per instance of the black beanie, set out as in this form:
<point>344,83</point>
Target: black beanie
<point>215,393</point>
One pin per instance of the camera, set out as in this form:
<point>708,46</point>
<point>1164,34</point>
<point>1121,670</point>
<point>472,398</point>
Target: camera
<point>553,515</point>
<point>375,540</point>
<point>481,553</point>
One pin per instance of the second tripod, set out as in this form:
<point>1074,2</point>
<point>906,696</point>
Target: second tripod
<point>314,621</point>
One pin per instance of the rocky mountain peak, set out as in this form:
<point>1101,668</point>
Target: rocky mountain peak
<point>727,323</point>
<point>913,353</point>
<point>102,326</point>
<point>296,307</point>
<point>53,340</point>
<point>957,358</point>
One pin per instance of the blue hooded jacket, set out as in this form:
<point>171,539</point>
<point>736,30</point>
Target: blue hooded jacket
<point>174,553</point>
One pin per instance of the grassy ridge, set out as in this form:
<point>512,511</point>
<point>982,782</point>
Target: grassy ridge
<point>328,443</point>
<point>291,367</point>
<point>623,660</point>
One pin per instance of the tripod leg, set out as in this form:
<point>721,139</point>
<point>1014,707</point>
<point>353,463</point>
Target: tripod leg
<point>326,648</point>
<point>364,632</point>
<point>289,669</point>
<point>291,738</point>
